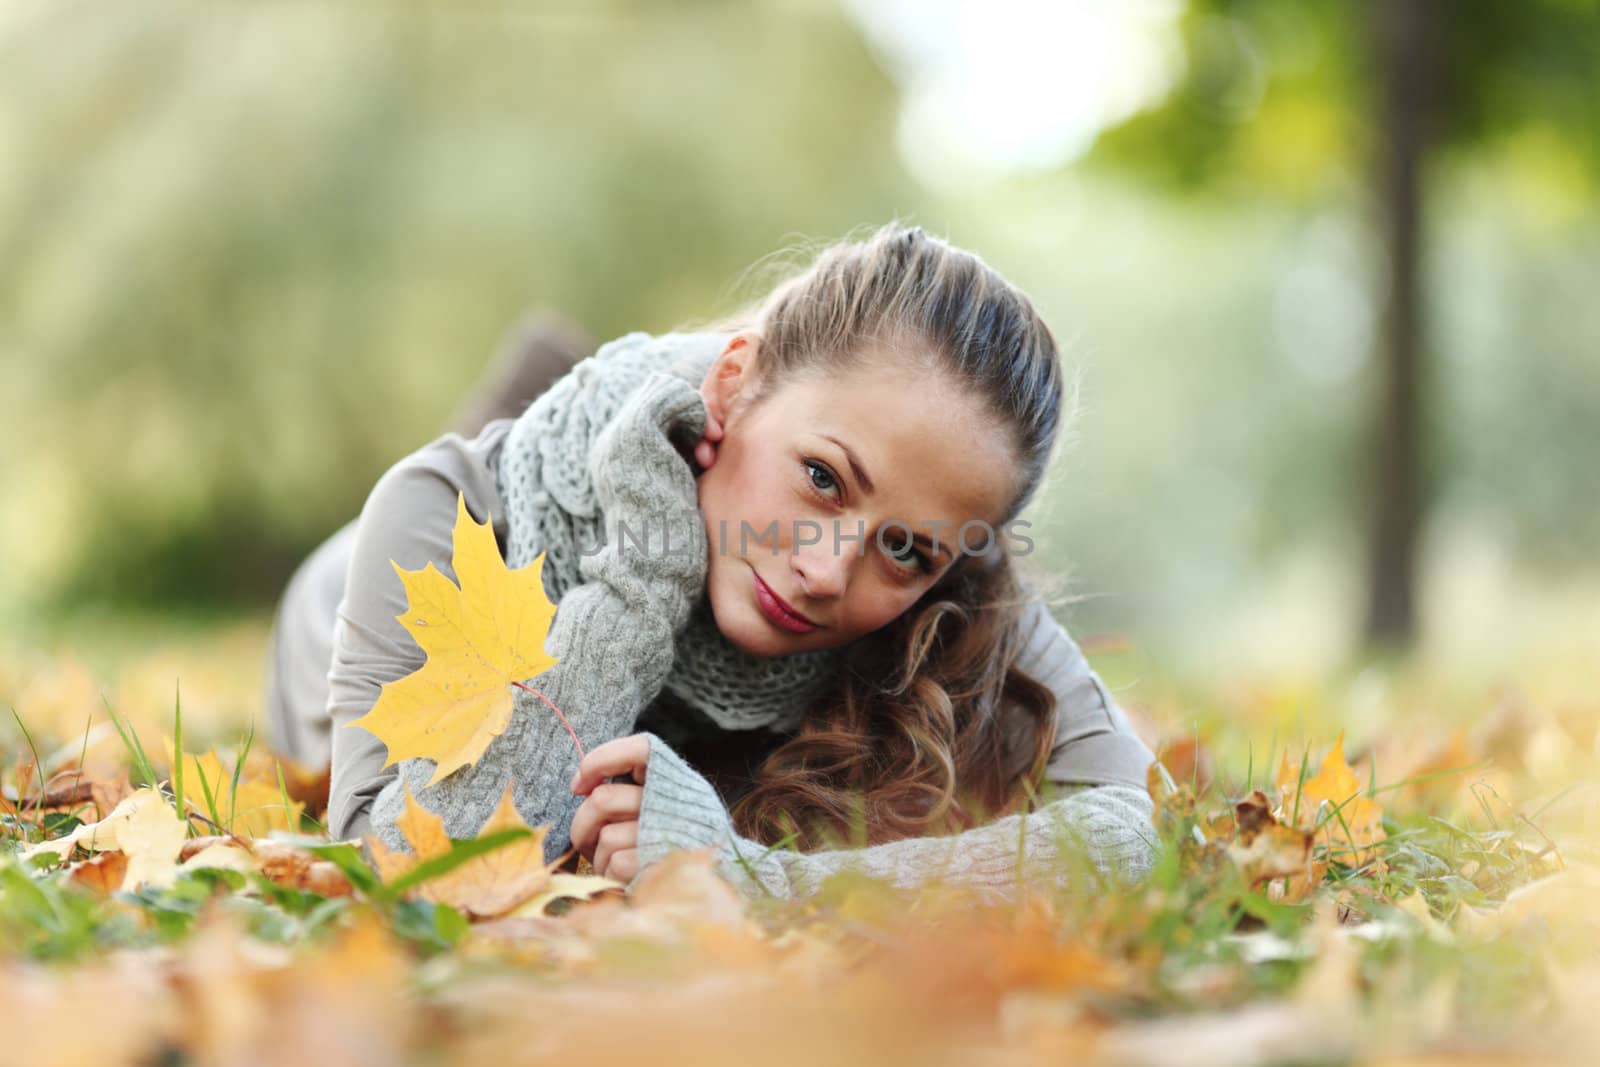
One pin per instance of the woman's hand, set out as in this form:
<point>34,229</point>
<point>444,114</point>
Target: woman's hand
<point>606,827</point>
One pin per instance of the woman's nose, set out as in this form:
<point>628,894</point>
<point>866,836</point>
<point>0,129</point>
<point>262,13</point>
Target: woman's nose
<point>823,572</point>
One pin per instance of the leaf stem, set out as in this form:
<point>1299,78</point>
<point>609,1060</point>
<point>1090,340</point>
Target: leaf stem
<point>563,718</point>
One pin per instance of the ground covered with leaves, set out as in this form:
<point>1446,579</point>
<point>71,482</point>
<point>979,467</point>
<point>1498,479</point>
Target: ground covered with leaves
<point>1408,880</point>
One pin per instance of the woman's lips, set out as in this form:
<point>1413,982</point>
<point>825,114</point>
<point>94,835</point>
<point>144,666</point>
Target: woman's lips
<point>780,614</point>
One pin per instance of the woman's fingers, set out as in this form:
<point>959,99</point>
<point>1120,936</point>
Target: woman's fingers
<point>615,838</point>
<point>610,802</point>
<point>623,865</point>
<point>619,756</point>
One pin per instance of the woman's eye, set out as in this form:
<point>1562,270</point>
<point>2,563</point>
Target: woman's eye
<point>827,480</point>
<point>904,554</point>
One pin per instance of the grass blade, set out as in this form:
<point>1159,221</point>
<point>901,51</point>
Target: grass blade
<point>130,741</point>
<point>38,771</point>
<point>460,852</point>
<point>211,800</point>
<point>238,765</point>
<point>177,750</point>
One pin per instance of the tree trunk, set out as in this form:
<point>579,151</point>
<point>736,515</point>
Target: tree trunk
<point>1405,52</point>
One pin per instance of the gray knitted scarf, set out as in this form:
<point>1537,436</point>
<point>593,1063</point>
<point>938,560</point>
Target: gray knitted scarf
<point>545,485</point>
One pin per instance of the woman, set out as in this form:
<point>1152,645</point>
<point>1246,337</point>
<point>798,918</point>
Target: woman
<point>777,608</point>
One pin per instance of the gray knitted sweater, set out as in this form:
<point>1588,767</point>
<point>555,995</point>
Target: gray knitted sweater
<point>605,447</point>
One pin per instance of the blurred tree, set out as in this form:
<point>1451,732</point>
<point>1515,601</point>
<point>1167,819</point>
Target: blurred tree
<point>1289,100</point>
<point>252,255</point>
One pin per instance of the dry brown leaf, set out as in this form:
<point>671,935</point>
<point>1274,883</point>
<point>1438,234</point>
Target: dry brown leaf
<point>102,873</point>
<point>1436,786</point>
<point>308,785</point>
<point>107,793</point>
<point>280,862</point>
<point>1265,848</point>
<point>295,868</point>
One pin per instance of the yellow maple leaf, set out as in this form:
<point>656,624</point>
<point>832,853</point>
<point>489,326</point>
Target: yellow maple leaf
<point>487,885</point>
<point>1336,783</point>
<point>480,638</point>
<point>254,809</point>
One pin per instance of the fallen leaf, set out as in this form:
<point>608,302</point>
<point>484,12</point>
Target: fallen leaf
<point>308,785</point>
<point>1335,783</point>
<point>480,637</point>
<point>254,809</point>
<point>102,874</point>
<point>242,1001</point>
<point>565,887</point>
<point>280,862</point>
<point>223,856</point>
<point>1264,848</point>
<point>150,837</point>
<point>143,826</point>
<point>108,793</point>
<point>295,868</point>
<point>1560,904</point>
<point>484,886</point>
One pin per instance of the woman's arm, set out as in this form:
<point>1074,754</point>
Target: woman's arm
<point>1109,826</point>
<point>613,633</point>
<point>1095,744</point>
<point>1099,806</point>
<point>408,517</point>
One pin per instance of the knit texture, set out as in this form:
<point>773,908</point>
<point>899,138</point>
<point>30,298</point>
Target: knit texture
<point>549,458</point>
<point>1110,826</point>
<point>592,475</point>
<point>606,448</point>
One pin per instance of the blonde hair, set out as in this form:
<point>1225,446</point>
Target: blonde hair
<point>913,738</point>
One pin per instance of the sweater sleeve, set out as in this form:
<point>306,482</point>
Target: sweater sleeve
<point>408,518</point>
<point>613,633</point>
<point>1095,744</point>
<point>1108,826</point>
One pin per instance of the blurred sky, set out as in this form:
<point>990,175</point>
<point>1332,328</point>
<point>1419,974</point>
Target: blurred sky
<point>991,88</point>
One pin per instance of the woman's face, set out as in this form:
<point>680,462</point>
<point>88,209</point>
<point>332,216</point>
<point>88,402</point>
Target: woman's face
<point>872,453</point>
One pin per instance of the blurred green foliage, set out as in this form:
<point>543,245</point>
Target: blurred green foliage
<point>1282,103</point>
<point>1278,99</point>
<point>1276,103</point>
<point>251,254</point>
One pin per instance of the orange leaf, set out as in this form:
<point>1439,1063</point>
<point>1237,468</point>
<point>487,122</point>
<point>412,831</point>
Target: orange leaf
<point>1335,783</point>
<point>485,886</point>
<point>102,873</point>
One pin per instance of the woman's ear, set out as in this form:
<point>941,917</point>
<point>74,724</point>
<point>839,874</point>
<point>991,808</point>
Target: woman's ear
<point>728,376</point>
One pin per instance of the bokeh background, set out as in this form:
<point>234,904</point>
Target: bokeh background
<point>1329,273</point>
